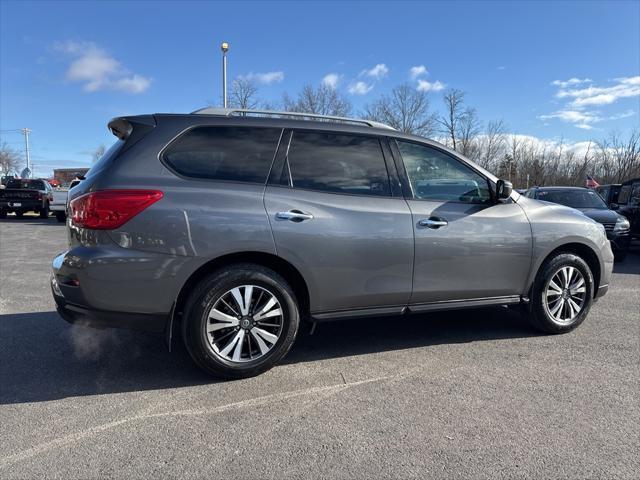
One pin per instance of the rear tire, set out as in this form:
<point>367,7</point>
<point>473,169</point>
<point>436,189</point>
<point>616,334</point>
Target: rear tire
<point>3,213</point>
<point>242,338</point>
<point>562,294</point>
<point>19,214</point>
<point>44,212</point>
<point>61,217</point>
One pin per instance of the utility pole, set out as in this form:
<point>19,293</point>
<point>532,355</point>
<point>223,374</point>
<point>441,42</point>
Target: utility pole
<point>26,133</point>
<point>225,48</point>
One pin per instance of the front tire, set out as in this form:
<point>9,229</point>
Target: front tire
<point>562,294</point>
<point>61,217</point>
<point>240,321</point>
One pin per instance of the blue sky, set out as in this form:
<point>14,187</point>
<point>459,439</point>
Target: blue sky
<point>66,68</point>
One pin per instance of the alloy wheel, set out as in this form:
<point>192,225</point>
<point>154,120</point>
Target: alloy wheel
<point>565,295</point>
<point>244,324</point>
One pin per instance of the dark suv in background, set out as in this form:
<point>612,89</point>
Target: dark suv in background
<point>590,203</point>
<point>628,204</point>
<point>229,226</point>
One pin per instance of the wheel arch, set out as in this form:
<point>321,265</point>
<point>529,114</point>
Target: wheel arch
<point>587,253</point>
<point>275,263</point>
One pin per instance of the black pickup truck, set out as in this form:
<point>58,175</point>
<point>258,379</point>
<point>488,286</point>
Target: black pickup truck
<point>625,199</point>
<point>25,195</point>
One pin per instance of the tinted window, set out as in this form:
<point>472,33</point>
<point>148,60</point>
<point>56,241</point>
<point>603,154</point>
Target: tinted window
<point>434,175</point>
<point>26,184</point>
<point>635,194</point>
<point>573,198</point>
<point>238,154</point>
<point>338,163</point>
<point>623,196</point>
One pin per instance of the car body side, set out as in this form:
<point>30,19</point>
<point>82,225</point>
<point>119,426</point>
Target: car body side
<point>201,224</point>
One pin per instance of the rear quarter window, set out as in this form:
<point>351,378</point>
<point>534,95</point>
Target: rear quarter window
<point>240,154</point>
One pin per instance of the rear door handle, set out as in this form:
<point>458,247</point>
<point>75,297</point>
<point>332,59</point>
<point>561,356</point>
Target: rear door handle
<point>294,216</point>
<point>433,222</point>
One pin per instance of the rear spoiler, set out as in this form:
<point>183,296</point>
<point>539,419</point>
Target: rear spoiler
<point>133,127</point>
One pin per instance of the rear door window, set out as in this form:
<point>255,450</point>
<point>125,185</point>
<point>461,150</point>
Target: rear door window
<point>240,154</point>
<point>338,163</point>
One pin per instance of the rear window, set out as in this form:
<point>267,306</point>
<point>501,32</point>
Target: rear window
<point>240,154</point>
<point>26,184</point>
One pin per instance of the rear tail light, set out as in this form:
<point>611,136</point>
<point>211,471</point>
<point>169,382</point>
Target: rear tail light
<point>39,195</point>
<point>109,209</point>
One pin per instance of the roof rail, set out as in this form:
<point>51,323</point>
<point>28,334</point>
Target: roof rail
<point>228,112</point>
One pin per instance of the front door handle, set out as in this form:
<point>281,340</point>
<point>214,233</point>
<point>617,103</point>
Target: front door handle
<point>294,216</point>
<point>433,222</point>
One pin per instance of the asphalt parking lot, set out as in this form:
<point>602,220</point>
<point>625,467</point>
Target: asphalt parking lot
<point>474,394</point>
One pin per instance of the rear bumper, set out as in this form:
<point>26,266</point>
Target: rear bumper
<point>26,205</point>
<point>83,315</point>
<point>109,286</point>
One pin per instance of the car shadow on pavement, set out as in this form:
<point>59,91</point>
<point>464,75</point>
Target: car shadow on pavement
<point>43,358</point>
<point>364,336</point>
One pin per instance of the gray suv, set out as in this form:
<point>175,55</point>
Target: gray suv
<point>229,227</point>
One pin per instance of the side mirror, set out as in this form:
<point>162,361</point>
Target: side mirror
<point>614,206</point>
<point>503,189</point>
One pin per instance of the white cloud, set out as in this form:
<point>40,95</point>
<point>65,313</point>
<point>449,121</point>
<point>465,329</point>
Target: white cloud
<point>331,80</point>
<point>570,82</point>
<point>424,86</point>
<point>360,88</point>
<point>266,78</point>
<point>572,116</point>
<point>133,84</point>
<point>583,97</point>
<point>97,70</point>
<point>583,119</point>
<point>417,71</point>
<point>377,72</point>
<point>502,67</point>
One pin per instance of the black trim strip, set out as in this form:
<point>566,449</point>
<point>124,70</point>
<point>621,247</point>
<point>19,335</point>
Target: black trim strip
<point>416,308</point>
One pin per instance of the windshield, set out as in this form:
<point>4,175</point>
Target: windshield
<point>573,198</point>
<point>26,184</point>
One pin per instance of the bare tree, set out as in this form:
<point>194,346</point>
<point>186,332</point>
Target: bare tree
<point>10,159</point>
<point>468,131</point>
<point>620,159</point>
<point>244,94</point>
<point>492,144</point>
<point>405,109</point>
<point>321,100</point>
<point>97,153</point>
<point>454,114</point>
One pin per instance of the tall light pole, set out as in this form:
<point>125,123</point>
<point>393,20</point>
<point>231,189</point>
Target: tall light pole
<point>26,133</point>
<point>225,48</point>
